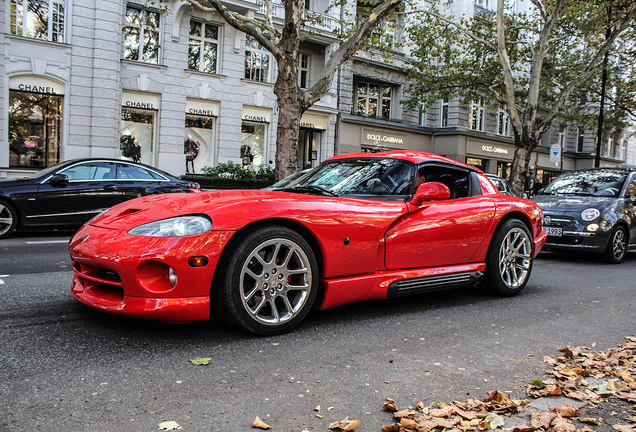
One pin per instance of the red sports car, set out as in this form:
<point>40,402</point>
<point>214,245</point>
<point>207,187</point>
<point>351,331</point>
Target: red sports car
<point>358,227</point>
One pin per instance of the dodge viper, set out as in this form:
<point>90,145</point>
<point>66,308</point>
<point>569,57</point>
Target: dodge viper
<point>358,227</point>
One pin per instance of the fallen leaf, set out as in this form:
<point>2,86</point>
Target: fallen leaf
<point>391,428</point>
<point>561,424</point>
<point>590,420</point>
<point>389,405</point>
<point>404,413</point>
<point>345,425</point>
<point>260,424</point>
<point>494,420</point>
<point>201,361</point>
<point>317,408</point>
<point>624,428</point>
<point>169,425</point>
<point>567,411</point>
<point>353,425</point>
<point>407,423</point>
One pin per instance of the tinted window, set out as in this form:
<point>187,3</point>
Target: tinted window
<point>132,172</point>
<point>90,171</point>
<point>457,181</point>
<point>592,182</point>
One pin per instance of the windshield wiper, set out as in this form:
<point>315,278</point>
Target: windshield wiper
<point>311,188</point>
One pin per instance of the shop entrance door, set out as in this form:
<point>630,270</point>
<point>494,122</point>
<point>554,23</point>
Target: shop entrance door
<point>308,143</point>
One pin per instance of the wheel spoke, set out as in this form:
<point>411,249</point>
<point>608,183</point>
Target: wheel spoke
<point>7,221</point>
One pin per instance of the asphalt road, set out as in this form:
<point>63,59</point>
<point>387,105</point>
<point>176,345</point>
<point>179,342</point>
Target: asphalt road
<point>65,367</point>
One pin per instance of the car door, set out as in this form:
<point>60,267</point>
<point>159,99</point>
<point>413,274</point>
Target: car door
<point>441,233</point>
<point>630,208</point>
<point>90,189</point>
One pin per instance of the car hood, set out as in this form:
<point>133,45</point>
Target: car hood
<point>232,209</point>
<point>16,182</point>
<point>571,203</point>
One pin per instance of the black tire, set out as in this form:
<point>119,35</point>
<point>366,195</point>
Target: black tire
<point>510,258</point>
<point>8,219</point>
<point>616,246</point>
<point>270,281</point>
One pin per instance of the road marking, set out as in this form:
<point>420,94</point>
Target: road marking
<point>1,281</point>
<point>46,242</point>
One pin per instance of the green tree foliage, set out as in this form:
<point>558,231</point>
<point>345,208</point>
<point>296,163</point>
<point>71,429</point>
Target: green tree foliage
<point>538,65</point>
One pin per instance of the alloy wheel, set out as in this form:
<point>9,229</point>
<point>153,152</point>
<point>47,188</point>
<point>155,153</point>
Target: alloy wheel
<point>618,244</point>
<point>275,281</point>
<point>515,258</point>
<point>6,219</point>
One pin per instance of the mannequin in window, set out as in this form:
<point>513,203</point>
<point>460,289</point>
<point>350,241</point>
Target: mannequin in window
<point>191,151</point>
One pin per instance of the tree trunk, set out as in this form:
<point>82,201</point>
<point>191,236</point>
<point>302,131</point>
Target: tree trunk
<point>524,145</point>
<point>290,111</point>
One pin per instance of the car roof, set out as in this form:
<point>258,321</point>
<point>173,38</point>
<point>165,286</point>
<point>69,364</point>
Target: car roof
<point>417,157</point>
<point>129,162</point>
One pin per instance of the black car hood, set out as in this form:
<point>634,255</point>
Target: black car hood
<point>16,181</point>
<point>566,203</point>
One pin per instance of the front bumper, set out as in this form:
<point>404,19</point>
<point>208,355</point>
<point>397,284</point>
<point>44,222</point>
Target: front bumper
<point>128,275</point>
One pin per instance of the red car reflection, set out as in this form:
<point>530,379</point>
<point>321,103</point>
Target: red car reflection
<point>358,227</point>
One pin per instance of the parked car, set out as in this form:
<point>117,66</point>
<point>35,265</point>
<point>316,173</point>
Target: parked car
<point>359,226</point>
<point>70,193</point>
<point>501,184</point>
<point>591,210</point>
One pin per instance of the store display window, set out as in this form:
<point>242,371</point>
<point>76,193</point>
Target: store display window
<point>198,146</point>
<point>137,135</point>
<point>253,140</point>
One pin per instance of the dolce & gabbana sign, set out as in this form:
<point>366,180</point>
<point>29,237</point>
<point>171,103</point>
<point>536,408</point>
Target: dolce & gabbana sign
<point>383,138</point>
<point>494,149</point>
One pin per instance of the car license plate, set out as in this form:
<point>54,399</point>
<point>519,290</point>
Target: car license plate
<point>554,232</point>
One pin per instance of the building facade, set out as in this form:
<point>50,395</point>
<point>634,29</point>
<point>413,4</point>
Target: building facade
<point>182,90</point>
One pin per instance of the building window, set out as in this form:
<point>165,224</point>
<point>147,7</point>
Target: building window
<point>303,71</point>
<point>136,140</point>
<point>443,115</point>
<point>202,47</point>
<point>38,19</point>
<point>373,100</point>
<point>253,135</point>
<point>580,139</point>
<point>256,61</point>
<point>477,162</point>
<point>477,115</point>
<point>563,136</point>
<point>609,151</point>
<point>503,121</point>
<point>422,119</point>
<point>34,129</point>
<point>386,34</point>
<point>141,35</point>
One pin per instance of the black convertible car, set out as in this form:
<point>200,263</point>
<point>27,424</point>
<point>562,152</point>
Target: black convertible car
<point>69,194</point>
<point>592,210</point>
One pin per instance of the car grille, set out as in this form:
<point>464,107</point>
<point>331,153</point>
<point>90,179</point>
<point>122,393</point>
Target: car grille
<point>98,277</point>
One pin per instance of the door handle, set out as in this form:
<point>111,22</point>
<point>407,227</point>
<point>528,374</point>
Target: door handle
<point>110,187</point>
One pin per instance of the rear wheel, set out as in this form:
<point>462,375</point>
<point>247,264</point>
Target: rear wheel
<point>509,260</point>
<point>8,220</point>
<point>616,247</point>
<point>270,281</point>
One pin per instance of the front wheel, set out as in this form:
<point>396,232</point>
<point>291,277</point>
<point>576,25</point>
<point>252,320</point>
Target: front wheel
<point>616,247</point>
<point>270,281</point>
<point>8,220</point>
<point>509,259</point>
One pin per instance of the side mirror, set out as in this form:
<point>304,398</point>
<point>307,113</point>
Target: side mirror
<point>59,180</point>
<point>431,191</point>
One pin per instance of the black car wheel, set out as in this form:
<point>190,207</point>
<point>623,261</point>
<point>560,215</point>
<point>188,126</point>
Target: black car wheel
<point>509,259</point>
<point>8,220</point>
<point>270,281</point>
<point>615,251</point>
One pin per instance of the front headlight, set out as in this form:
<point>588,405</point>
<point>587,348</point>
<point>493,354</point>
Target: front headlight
<point>590,214</point>
<point>181,226</point>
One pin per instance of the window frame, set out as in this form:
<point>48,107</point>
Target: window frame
<point>202,41</point>
<point>256,54</point>
<point>19,27</point>
<point>503,122</point>
<point>477,107</point>
<point>304,67</point>
<point>380,98</point>
<point>143,29</point>
<point>444,109</point>
<point>580,139</point>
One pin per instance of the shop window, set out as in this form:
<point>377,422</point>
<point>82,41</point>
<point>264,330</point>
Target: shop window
<point>256,60</point>
<point>477,162</point>
<point>477,115</point>
<point>141,35</point>
<point>303,71</point>
<point>373,99</point>
<point>137,135</point>
<point>34,129</point>
<point>198,146</point>
<point>503,121</point>
<point>253,140</point>
<point>444,113</point>
<point>203,47</point>
<point>38,19</point>
<point>503,169</point>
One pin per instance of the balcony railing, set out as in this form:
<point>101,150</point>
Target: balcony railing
<point>313,19</point>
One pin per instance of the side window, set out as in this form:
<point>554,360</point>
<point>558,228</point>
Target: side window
<point>458,181</point>
<point>132,172</point>
<point>90,171</point>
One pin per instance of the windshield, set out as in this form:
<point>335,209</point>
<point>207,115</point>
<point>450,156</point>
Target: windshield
<point>359,177</point>
<point>593,182</point>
